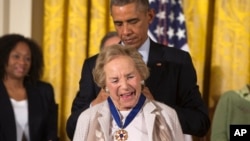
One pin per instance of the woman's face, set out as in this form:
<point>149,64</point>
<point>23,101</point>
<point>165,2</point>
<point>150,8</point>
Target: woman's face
<point>19,62</point>
<point>123,82</point>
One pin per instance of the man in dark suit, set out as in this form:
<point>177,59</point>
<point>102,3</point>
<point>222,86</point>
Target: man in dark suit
<point>172,78</point>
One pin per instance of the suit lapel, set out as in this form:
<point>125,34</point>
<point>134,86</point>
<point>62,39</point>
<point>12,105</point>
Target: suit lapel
<point>35,111</point>
<point>104,119</point>
<point>8,120</point>
<point>156,64</point>
<point>148,111</point>
<point>155,53</point>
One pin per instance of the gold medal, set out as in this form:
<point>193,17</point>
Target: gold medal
<point>121,135</point>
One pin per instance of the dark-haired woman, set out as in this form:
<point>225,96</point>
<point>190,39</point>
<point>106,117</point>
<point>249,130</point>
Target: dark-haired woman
<point>28,109</point>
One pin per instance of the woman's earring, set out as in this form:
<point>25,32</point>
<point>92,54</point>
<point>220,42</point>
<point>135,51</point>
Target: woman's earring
<point>142,84</point>
<point>106,90</point>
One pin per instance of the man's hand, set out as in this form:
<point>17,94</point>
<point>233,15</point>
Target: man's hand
<point>147,93</point>
<point>102,96</point>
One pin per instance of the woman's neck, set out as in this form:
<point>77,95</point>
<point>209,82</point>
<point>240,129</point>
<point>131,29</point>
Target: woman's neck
<point>15,89</point>
<point>13,83</point>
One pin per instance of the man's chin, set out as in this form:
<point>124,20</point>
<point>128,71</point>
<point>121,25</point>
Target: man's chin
<point>132,45</point>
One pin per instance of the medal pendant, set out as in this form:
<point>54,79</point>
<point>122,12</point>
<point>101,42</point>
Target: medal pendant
<point>121,135</point>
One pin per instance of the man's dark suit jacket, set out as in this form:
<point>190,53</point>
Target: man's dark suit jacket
<point>172,81</point>
<point>42,113</point>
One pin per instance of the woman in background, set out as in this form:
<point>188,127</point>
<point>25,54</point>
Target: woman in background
<point>28,109</point>
<point>233,108</point>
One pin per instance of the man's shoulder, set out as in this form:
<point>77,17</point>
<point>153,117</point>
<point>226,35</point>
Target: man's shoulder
<point>92,58</point>
<point>167,49</point>
<point>171,54</point>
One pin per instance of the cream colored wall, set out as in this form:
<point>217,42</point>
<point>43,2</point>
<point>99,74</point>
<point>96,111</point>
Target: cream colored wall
<point>1,16</point>
<point>4,12</point>
<point>15,17</point>
<point>37,21</point>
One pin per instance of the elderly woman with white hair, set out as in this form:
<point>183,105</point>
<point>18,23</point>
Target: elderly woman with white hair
<point>127,115</point>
